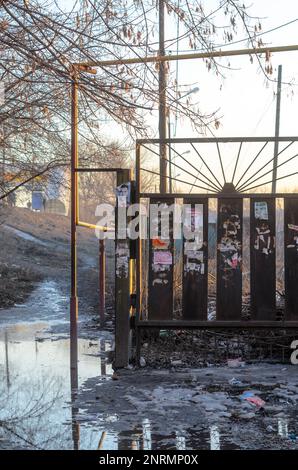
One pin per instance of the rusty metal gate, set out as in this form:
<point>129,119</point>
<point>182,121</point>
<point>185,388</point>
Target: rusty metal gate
<point>155,282</point>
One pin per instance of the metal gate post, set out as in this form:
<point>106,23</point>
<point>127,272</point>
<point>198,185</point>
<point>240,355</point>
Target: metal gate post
<point>102,280</point>
<point>122,292</point>
<point>138,260</point>
<point>74,220</point>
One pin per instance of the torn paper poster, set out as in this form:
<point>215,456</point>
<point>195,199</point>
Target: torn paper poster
<point>122,264</point>
<point>261,210</point>
<point>123,193</point>
<point>234,261</point>
<point>122,201</point>
<point>194,216</point>
<point>293,227</point>
<point>122,252</point>
<point>162,257</point>
<point>195,256</point>
<point>229,245</point>
<point>264,239</point>
<point>160,268</point>
<point>122,260</point>
<point>161,244</point>
<point>195,262</point>
<point>193,222</point>
<point>193,246</point>
<point>160,281</point>
<point>194,267</point>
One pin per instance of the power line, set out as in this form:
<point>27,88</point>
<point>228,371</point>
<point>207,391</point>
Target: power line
<point>239,40</point>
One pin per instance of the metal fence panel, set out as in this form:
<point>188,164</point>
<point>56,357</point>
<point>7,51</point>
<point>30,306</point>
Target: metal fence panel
<point>229,259</point>
<point>195,265</point>
<point>291,258</point>
<point>262,258</point>
<point>161,256</point>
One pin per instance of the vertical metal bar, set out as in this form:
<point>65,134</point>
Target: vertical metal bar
<point>74,215</point>
<point>235,169</point>
<point>7,360</point>
<point>277,124</point>
<point>221,164</point>
<point>170,155</point>
<point>249,166</point>
<point>138,260</point>
<point>102,280</point>
<point>217,185</point>
<point>291,257</point>
<point>195,265</point>
<point>160,287</point>
<point>229,259</point>
<point>162,100</point>
<point>101,440</point>
<point>122,292</point>
<point>262,259</point>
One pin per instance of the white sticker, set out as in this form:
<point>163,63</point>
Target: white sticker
<point>261,210</point>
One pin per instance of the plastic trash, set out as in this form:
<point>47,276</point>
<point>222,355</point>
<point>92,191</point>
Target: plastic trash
<point>164,333</point>
<point>235,362</point>
<point>142,362</point>
<point>234,381</point>
<point>256,401</point>
<point>176,363</point>
<point>246,395</point>
<point>252,398</point>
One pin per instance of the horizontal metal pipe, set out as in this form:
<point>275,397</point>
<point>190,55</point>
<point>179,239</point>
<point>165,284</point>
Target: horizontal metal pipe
<point>210,140</point>
<point>193,55</point>
<point>98,170</point>
<point>219,195</point>
<point>166,324</point>
<point>98,227</point>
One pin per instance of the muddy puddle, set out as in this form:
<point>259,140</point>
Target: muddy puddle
<point>35,398</point>
<point>39,410</point>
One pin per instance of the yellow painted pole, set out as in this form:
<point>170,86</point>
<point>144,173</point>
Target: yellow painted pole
<point>74,215</point>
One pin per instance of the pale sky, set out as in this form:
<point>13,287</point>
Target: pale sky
<point>245,101</point>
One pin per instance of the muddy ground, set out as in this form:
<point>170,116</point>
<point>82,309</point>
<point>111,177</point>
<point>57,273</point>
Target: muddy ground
<point>35,247</point>
<point>186,396</point>
<point>203,406</point>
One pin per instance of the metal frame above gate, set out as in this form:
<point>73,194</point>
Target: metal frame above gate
<point>223,195</point>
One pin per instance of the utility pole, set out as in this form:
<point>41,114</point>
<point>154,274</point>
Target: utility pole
<point>170,156</point>
<point>277,124</point>
<point>162,101</point>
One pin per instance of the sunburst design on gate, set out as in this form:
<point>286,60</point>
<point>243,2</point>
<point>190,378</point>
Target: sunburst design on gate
<point>239,164</point>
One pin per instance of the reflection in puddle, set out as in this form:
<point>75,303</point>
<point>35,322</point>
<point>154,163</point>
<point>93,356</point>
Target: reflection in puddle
<point>282,427</point>
<point>35,395</point>
<point>35,400</point>
<point>146,434</point>
<point>214,438</point>
<point>38,406</point>
<point>180,442</point>
<point>35,387</point>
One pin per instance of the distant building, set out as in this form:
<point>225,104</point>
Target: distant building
<point>49,192</point>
